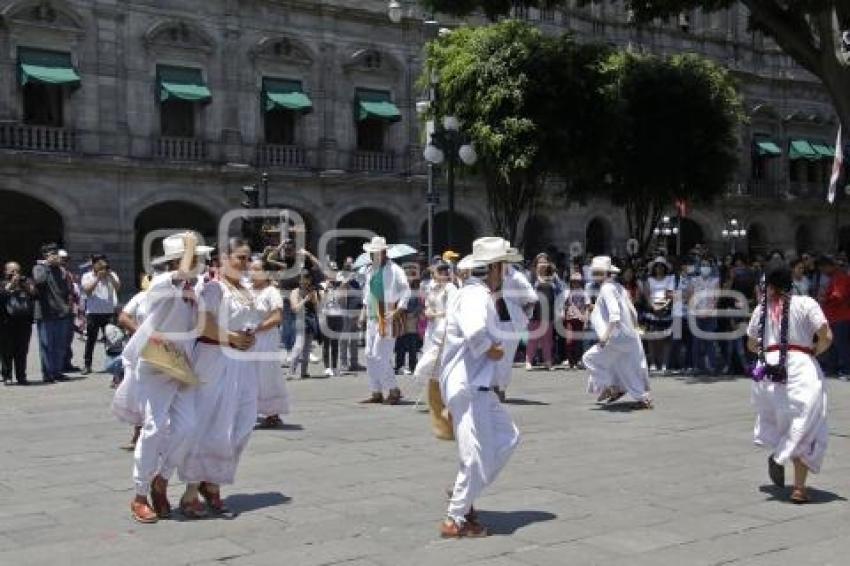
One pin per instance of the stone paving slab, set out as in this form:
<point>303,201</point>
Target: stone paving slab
<point>364,486</point>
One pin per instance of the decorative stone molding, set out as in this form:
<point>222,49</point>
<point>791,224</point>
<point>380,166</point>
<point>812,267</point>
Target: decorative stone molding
<point>178,34</point>
<point>53,15</point>
<point>283,49</point>
<point>373,61</point>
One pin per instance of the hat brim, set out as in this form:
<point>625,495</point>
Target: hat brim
<point>199,251</point>
<point>370,249</point>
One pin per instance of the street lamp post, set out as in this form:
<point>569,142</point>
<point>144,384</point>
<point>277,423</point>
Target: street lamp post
<point>666,228</point>
<point>733,232</point>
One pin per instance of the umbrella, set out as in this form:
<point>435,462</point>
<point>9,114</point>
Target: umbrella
<point>362,261</point>
<point>400,250</point>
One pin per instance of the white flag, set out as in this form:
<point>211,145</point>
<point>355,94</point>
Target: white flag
<point>837,168</point>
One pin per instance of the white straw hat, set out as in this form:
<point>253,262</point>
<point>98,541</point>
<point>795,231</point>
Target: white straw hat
<point>378,244</point>
<point>603,263</point>
<point>173,248</point>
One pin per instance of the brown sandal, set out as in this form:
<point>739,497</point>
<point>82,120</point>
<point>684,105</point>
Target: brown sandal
<point>799,496</point>
<point>213,498</point>
<point>142,513</point>
<point>469,529</point>
<point>193,508</point>
<point>159,497</point>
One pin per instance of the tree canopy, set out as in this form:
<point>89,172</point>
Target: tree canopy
<point>510,85</point>
<point>675,137</point>
<point>809,31</point>
<point>641,130</point>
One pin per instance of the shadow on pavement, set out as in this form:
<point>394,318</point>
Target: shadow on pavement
<point>515,401</point>
<point>816,496</point>
<point>627,407</point>
<point>509,522</point>
<point>247,502</point>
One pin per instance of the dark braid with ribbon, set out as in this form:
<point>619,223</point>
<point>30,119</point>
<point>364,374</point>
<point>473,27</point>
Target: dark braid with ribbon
<point>777,373</point>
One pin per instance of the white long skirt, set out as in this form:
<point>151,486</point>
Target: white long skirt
<point>226,412</point>
<point>273,396</point>
<point>791,418</point>
<point>620,364</point>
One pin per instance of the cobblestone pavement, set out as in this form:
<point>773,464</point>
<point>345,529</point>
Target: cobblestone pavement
<point>362,485</point>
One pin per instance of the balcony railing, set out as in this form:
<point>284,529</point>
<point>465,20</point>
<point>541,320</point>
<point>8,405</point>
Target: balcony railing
<point>37,138</point>
<point>374,161</point>
<point>180,149</point>
<point>288,156</point>
<point>765,189</point>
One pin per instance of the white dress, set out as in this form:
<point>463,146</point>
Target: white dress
<point>437,302</point>
<point>226,400</point>
<point>125,403</point>
<point>791,418</point>
<point>621,363</point>
<point>273,397</point>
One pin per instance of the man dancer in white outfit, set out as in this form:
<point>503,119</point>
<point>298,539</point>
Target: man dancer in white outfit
<point>617,363</point>
<point>169,407</point>
<point>519,295</point>
<point>385,295</point>
<point>486,435</point>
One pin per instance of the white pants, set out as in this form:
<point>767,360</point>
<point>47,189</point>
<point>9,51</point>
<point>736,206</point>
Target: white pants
<point>167,429</point>
<point>618,365</point>
<point>486,438</point>
<point>379,359</point>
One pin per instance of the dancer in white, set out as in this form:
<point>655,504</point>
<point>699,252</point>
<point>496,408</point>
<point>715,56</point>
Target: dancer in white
<point>788,390</point>
<point>226,400</point>
<point>440,294</point>
<point>519,296</point>
<point>486,435</point>
<point>617,364</point>
<point>273,397</point>
<point>385,296</point>
<point>168,420</point>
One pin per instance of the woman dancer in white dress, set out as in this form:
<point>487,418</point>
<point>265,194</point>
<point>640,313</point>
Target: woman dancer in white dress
<point>436,305</point>
<point>226,400</point>
<point>788,388</point>
<point>273,397</point>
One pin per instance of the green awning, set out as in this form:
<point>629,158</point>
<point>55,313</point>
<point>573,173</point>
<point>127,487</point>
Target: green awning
<point>51,67</point>
<point>801,149</point>
<point>767,148</point>
<point>824,151</point>
<point>280,94</point>
<point>183,83</point>
<point>375,104</point>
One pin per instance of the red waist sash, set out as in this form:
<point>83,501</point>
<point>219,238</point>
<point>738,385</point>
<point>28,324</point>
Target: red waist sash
<point>791,348</point>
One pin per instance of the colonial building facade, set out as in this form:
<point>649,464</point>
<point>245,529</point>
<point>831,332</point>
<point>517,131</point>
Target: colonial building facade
<point>119,117</point>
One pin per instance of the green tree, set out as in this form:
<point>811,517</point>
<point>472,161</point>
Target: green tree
<point>525,99</point>
<point>809,31</point>
<point>675,136</point>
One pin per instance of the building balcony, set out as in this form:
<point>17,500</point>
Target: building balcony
<point>373,161</point>
<point>285,156</point>
<point>760,188</point>
<point>180,149</point>
<point>37,138</point>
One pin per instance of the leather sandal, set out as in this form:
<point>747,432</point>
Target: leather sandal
<point>646,404</point>
<point>159,497</point>
<point>193,508</point>
<point>616,395</point>
<point>469,529</point>
<point>799,496</point>
<point>394,397</point>
<point>213,498</point>
<point>605,395</point>
<point>376,399</point>
<point>142,512</point>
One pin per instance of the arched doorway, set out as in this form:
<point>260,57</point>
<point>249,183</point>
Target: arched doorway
<point>756,240</point>
<point>803,239</point>
<point>690,234</point>
<point>537,236</point>
<point>171,215</point>
<point>25,224</point>
<point>463,234</point>
<point>369,219</point>
<point>597,237</point>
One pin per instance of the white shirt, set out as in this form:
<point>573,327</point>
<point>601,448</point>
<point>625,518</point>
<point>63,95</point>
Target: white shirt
<point>518,294</point>
<point>396,288</point>
<point>612,305</point>
<point>704,299</point>
<point>103,298</point>
<point>137,307</point>
<point>805,318</point>
<point>471,328</point>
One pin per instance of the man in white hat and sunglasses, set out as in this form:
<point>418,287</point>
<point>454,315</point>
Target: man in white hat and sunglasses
<point>486,434</point>
<point>166,407</point>
<point>385,296</point>
<point>617,363</point>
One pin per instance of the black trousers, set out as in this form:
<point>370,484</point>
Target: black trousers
<point>15,336</point>
<point>95,323</point>
<point>330,345</point>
